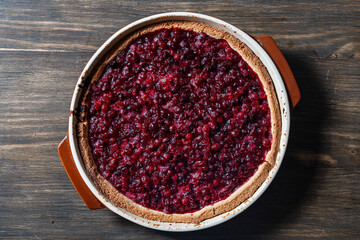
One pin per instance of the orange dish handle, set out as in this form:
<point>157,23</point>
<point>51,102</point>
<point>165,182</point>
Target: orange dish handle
<point>68,161</point>
<point>278,58</point>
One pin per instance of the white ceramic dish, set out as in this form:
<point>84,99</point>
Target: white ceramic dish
<point>74,152</point>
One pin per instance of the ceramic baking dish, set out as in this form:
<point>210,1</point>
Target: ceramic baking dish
<point>270,55</point>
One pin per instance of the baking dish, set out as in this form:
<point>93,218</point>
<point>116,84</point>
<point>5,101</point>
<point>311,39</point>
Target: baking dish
<point>270,55</point>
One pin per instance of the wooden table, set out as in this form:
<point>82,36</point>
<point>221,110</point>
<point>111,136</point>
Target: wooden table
<point>44,46</point>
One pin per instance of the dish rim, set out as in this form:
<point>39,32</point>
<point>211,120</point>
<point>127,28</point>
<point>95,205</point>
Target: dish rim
<point>258,51</point>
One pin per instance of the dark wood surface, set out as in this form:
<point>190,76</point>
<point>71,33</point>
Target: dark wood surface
<point>44,46</point>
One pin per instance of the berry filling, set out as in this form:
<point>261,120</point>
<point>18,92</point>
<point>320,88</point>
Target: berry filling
<point>178,121</point>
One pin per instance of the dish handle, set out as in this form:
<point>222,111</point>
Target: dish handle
<point>278,58</point>
<point>68,161</point>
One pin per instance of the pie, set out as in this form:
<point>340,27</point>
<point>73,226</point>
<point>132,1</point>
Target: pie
<point>179,122</point>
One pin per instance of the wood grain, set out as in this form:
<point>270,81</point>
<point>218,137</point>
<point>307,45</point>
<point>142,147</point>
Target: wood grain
<point>45,44</point>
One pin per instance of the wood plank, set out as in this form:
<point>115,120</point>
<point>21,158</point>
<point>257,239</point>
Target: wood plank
<point>45,44</point>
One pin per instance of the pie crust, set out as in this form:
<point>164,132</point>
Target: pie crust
<point>235,199</point>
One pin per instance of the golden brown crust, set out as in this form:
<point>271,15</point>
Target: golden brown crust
<point>241,194</point>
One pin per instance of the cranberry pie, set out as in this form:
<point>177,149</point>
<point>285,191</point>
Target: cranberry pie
<point>179,123</point>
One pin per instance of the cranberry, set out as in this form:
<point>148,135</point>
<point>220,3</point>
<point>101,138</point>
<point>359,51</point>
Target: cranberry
<point>178,121</point>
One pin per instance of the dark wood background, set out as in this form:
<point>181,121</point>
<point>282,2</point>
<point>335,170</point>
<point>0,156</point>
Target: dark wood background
<point>44,46</point>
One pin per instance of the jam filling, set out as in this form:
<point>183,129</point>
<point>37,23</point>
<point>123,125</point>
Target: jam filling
<point>178,121</point>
